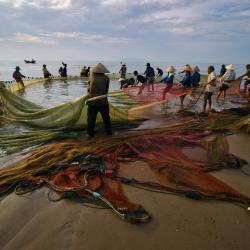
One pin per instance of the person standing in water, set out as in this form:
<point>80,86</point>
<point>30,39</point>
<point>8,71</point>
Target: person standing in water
<point>98,86</point>
<point>64,70</point>
<point>18,76</point>
<point>123,71</point>
<point>46,73</point>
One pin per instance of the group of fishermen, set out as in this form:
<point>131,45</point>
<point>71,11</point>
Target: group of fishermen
<point>99,86</point>
<point>191,79</point>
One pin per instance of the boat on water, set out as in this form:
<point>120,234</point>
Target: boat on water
<point>32,61</point>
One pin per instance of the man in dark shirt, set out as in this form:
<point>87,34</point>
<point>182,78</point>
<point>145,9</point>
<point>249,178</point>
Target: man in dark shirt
<point>223,70</point>
<point>99,85</point>
<point>140,79</point>
<point>159,72</point>
<point>64,70</point>
<point>87,72</point>
<point>18,76</point>
<point>150,75</point>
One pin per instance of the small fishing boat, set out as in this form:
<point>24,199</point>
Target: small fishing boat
<point>32,61</point>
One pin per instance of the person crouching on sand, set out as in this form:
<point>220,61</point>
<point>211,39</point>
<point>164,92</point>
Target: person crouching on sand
<point>210,88</point>
<point>18,76</point>
<point>226,80</point>
<point>168,80</point>
<point>140,79</point>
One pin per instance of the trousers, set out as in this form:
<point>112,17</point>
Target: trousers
<point>93,110</point>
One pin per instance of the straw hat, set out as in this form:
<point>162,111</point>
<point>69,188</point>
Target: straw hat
<point>187,68</point>
<point>100,69</point>
<point>196,69</point>
<point>170,69</point>
<point>230,67</point>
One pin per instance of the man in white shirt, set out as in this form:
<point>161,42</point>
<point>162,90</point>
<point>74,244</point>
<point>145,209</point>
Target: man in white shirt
<point>210,88</point>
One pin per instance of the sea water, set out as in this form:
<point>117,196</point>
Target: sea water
<point>35,70</point>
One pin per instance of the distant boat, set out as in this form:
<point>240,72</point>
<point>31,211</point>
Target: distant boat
<point>32,61</point>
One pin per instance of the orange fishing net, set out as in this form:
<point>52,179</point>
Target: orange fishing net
<point>181,160</point>
<point>148,95</point>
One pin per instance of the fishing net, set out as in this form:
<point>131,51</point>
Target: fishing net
<point>234,89</point>
<point>57,122</point>
<point>182,160</point>
<point>148,95</point>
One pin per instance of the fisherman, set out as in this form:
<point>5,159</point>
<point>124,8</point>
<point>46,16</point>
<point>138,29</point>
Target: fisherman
<point>126,82</point>
<point>159,73</point>
<point>46,73</point>
<point>123,71</point>
<point>150,76</point>
<point>82,72</point>
<point>99,86</point>
<point>64,70</point>
<point>195,77</point>
<point>223,70</point>
<point>168,80</point>
<point>226,80</point>
<point>186,81</point>
<point>18,76</point>
<point>140,79</point>
<point>87,72</point>
<point>246,77</point>
<point>210,88</point>
<point>60,71</point>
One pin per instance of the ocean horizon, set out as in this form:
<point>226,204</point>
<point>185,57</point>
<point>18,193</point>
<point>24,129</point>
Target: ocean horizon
<point>35,70</point>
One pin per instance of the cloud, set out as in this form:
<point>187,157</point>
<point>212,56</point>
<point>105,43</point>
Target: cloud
<point>57,37</point>
<point>144,27</point>
<point>53,4</point>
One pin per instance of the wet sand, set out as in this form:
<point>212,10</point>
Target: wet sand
<point>32,222</point>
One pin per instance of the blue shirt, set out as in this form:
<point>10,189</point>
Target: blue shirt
<point>169,79</point>
<point>187,80</point>
<point>196,77</point>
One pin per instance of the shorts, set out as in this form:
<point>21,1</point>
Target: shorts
<point>224,87</point>
<point>208,96</point>
<point>150,80</point>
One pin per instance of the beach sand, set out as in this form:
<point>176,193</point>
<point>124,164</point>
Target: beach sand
<point>31,222</point>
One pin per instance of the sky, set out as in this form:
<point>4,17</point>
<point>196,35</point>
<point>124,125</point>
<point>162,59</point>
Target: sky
<point>153,30</point>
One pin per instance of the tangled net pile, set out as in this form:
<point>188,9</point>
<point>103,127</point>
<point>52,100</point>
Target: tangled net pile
<point>92,171</point>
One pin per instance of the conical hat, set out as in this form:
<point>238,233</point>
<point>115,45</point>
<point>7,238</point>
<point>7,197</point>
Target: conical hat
<point>230,67</point>
<point>196,69</point>
<point>170,69</point>
<point>187,68</point>
<point>100,69</point>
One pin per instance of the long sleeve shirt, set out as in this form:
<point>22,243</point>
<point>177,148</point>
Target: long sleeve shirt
<point>196,77</point>
<point>149,72</point>
<point>169,79</point>
<point>187,80</point>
